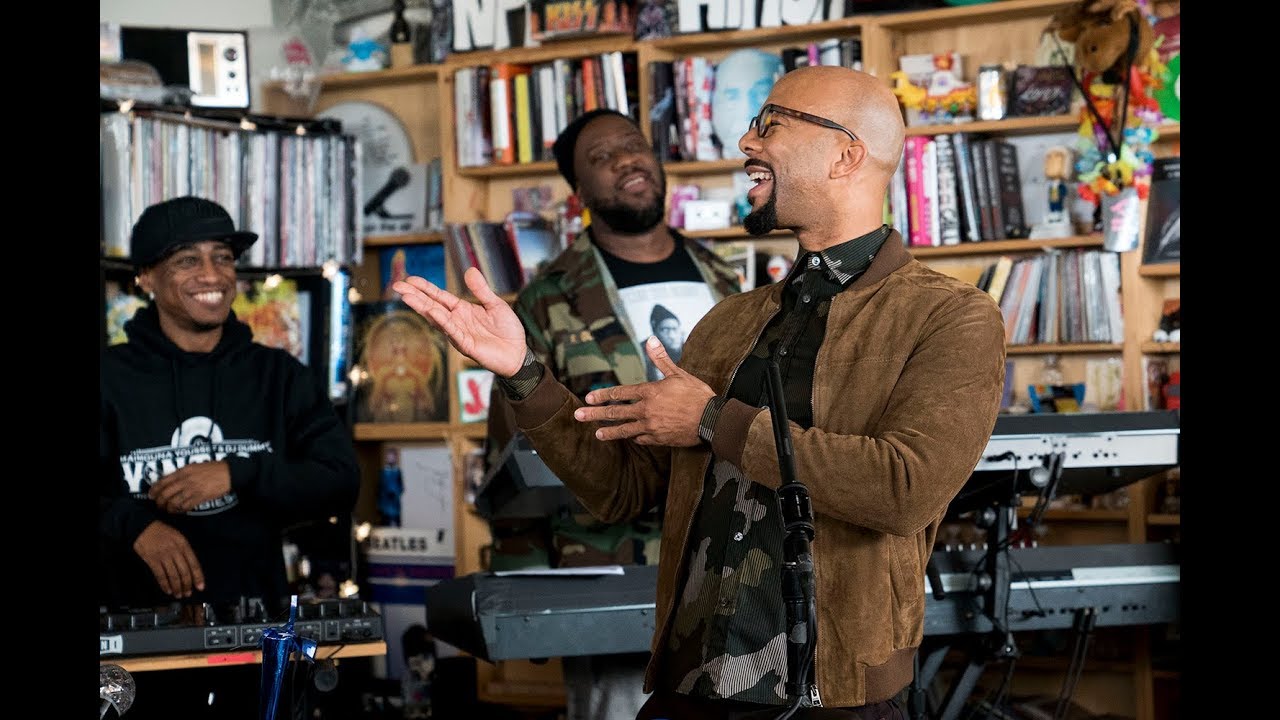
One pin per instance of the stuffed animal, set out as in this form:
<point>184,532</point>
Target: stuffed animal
<point>1101,31</point>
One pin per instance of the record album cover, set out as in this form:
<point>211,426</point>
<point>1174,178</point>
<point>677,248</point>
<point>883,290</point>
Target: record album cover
<point>401,366</point>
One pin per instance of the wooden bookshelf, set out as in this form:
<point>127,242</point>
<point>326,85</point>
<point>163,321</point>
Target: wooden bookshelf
<point>1156,348</point>
<point>1162,270</point>
<point>1164,519</point>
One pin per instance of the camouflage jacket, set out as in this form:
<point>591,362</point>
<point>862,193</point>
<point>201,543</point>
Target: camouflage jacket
<point>574,321</point>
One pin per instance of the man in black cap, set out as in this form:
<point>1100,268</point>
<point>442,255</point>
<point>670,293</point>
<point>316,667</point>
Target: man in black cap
<point>210,447</point>
<point>586,316</point>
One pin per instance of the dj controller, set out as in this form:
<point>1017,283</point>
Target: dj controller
<point>205,627</point>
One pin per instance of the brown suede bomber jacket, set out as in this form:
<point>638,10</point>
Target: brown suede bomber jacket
<point>906,390</point>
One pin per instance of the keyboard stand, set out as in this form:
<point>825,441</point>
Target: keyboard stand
<point>993,582</point>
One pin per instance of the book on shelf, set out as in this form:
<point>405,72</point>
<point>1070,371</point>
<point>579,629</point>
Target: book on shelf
<point>663,122</point>
<point>898,204</point>
<point>524,119</point>
<point>534,240</point>
<point>741,255</point>
<point>982,188</point>
<point>930,188</point>
<point>1011,217</point>
<point>917,197</point>
<point>966,191</point>
<point>1000,277</point>
<point>495,256</point>
<point>1163,242</point>
<point>549,125</point>
<point>503,108</point>
<point>948,198</point>
<point>400,261</point>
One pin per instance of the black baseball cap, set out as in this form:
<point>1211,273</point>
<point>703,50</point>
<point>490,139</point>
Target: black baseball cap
<point>564,145</point>
<point>168,226</point>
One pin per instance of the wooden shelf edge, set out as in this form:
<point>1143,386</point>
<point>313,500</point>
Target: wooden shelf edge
<point>542,167</point>
<point>1164,519</point>
<point>1063,348</point>
<point>244,656</point>
<point>992,247</point>
<point>1158,348</point>
<point>390,76</point>
<point>735,233</point>
<point>753,36</point>
<point>970,14</point>
<point>416,431</point>
<point>1161,270</point>
<point>702,167</point>
<point>1015,125</point>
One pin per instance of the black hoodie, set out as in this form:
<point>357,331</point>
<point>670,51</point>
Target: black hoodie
<point>258,408</point>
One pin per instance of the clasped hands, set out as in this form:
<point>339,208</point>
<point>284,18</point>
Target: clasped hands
<point>665,412</point>
<point>162,547</point>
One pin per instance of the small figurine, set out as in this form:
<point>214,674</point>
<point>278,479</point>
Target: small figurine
<point>1057,168</point>
<point>364,53</point>
<point>1057,171</point>
<point>390,488</point>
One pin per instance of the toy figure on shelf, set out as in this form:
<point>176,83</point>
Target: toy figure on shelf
<point>945,99</point>
<point>390,488</point>
<point>1057,171</point>
<point>364,53</point>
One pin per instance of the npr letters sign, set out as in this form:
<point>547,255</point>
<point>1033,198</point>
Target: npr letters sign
<point>742,14</point>
<point>484,24</point>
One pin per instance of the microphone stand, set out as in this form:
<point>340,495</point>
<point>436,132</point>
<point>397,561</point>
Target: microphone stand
<point>797,560</point>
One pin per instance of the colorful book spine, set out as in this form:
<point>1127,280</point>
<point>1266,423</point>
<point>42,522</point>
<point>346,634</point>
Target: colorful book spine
<point>916,202</point>
<point>948,199</point>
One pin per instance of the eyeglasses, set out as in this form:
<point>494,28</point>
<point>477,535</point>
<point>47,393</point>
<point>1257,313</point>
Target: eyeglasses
<point>764,120</point>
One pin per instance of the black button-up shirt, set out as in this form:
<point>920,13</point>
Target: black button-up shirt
<point>728,637</point>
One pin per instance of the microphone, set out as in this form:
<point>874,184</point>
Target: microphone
<point>399,178</point>
<point>116,690</point>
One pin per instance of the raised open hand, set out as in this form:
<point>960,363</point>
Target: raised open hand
<point>487,331</point>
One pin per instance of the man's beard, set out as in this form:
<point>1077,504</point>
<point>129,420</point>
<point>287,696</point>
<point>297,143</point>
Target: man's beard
<point>629,220</point>
<point>764,220</point>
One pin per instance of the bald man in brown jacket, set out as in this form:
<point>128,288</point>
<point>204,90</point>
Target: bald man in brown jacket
<point>892,375</point>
